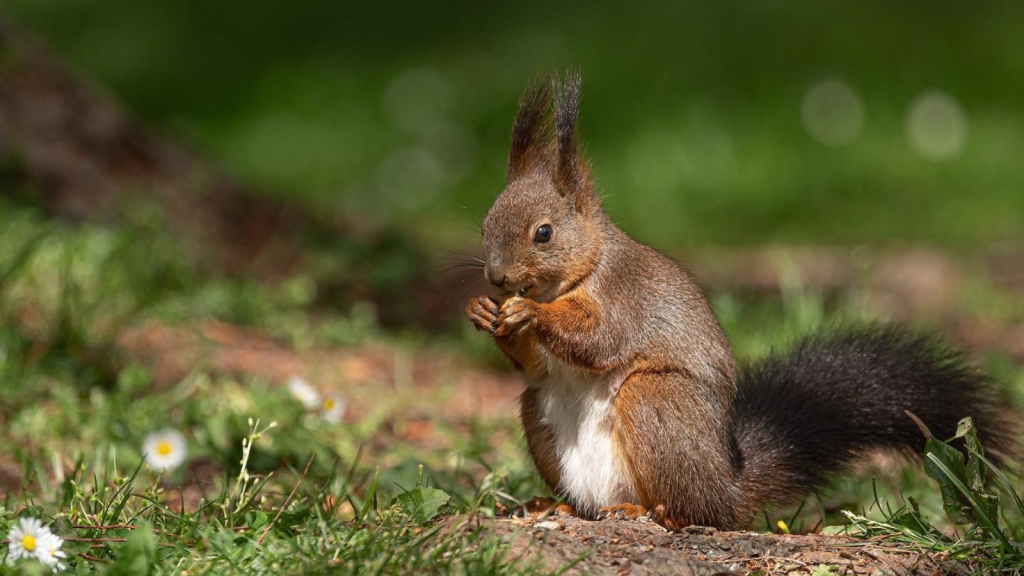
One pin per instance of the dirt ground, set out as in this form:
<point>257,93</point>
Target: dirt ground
<point>642,547</point>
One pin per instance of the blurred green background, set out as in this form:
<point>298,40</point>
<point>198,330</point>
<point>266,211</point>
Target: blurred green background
<point>708,123</point>
<point>837,161</point>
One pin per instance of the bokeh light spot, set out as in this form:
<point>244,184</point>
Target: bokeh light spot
<point>417,98</point>
<point>832,113</point>
<point>936,126</point>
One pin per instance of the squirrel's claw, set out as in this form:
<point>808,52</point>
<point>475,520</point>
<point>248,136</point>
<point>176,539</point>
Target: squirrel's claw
<point>622,512</point>
<point>483,312</point>
<point>516,314</point>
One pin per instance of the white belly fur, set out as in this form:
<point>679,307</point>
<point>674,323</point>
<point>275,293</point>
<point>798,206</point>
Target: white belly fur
<point>578,408</point>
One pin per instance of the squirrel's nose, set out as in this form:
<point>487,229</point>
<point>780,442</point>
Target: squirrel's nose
<point>496,276</point>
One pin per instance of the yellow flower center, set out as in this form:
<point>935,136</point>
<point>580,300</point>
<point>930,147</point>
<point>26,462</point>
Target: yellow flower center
<point>329,404</point>
<point>29,542</point>
<point>163,448</point>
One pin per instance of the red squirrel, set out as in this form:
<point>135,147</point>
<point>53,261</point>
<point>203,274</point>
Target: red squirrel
<point>634,401</point>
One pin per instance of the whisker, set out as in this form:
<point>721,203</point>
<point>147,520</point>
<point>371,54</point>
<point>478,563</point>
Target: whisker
<point>474,230</point>
<point>548,292</point>
<point>463,287</point>
<point>463,265</point>
<point>456,271</point>
<point>459,273</point>
<point>459,253</point>
<point>475,220</point>
<point>451,249</point>
<point>475,261</point>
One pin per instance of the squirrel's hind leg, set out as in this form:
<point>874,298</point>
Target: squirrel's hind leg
<point>540,438</point>
<point>677,449</point>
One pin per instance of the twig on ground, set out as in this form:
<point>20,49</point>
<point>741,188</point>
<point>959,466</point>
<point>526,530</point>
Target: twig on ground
<point>286,500</point>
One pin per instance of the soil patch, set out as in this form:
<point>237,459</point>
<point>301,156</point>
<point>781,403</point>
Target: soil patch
<point>642,547</point>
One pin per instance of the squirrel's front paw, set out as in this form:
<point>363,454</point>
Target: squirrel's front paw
<point>516,314</point>
<point>483,312</point>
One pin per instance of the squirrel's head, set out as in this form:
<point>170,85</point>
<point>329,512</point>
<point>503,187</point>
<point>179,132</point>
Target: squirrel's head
<point>544,232</point>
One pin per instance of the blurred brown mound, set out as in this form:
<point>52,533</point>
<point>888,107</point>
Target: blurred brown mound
<point>69,148</point>
<point>83,158</point>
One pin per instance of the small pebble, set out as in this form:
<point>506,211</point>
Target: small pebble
<point>549,525</point>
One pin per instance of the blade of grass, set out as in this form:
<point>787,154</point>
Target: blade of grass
<point>23,255</point>
<point>126,487</point>
<point>1006,482</point>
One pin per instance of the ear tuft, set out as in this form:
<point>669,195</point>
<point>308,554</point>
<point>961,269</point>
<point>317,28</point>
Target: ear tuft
<point>569,171</point>
<point>531,135</point>
<point>544,138</point>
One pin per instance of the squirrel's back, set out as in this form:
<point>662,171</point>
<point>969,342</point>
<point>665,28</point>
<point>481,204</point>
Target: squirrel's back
<point>662,310</point>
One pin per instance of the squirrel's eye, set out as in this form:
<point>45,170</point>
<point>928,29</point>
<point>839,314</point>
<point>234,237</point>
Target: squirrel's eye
<point>542,235</point>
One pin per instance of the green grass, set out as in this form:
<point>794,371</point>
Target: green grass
<point>989,535</point>
<point>115,522</point>
<point>76,411</point>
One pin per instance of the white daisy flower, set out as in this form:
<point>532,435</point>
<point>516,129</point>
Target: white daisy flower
<point>26,538</point>
<point>304,392</point>
<point>48,552</point>
<point>164,449</point>
<point>333,409</point>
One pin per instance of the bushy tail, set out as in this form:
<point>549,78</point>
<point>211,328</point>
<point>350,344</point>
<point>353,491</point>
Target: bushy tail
<point>803,415</point>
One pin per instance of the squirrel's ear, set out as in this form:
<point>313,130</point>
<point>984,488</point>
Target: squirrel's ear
<point>531,135</point>
<point>571,170</point>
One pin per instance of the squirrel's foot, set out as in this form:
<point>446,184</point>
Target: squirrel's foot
<point>622,512</point>
<point>483,312</point>
<point>541,507</point>
<point>516,314</point>
<point>658,515</point>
